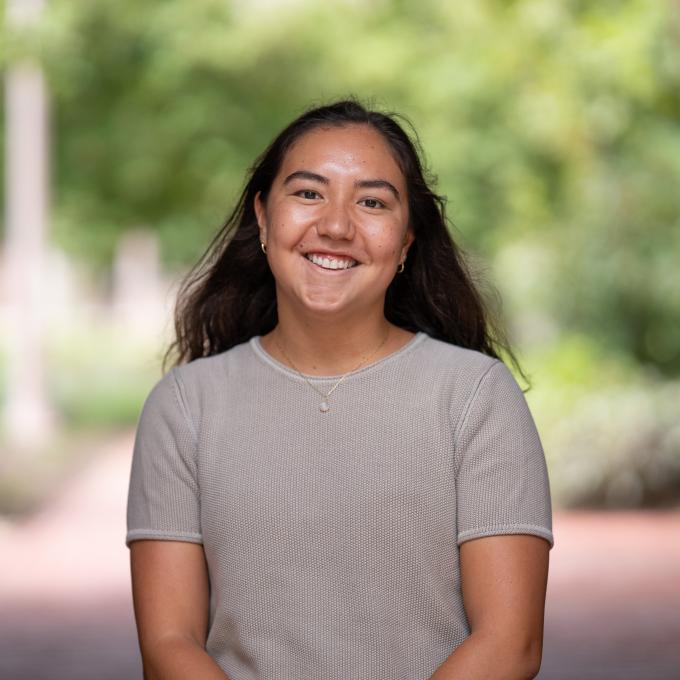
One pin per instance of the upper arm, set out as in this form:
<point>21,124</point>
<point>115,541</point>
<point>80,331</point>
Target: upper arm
<point>170,584</point>
<point>504,580</point>
<point>504,521</point>
<point>171,591</point>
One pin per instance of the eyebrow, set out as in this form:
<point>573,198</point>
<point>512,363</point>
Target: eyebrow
<point>362,184</point>
<point>378,184</point>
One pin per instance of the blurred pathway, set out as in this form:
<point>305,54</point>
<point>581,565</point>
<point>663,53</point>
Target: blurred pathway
<point>65,602</point>
<point>613,606</point>
<point>613,609</point>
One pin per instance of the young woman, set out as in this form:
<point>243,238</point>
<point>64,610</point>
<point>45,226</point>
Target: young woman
<point>339,478</point>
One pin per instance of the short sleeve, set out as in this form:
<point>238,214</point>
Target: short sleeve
<point>163,496</point>
<point>502,484</point>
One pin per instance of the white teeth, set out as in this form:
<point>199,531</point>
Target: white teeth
<point>330,263</point>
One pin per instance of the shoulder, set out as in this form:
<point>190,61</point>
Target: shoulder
<point>449,361</point>
<point>465,378</point>
<point>204,370</point>
<point>204,379</point>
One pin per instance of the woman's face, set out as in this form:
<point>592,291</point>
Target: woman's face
<point>335,223</point>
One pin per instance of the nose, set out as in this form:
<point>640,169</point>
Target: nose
<point>336,222</point>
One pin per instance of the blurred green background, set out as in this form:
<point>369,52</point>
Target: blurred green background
<point>552,127</point>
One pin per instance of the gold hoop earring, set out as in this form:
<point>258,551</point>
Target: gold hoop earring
<point>264,247</point>
<point>400,269</point>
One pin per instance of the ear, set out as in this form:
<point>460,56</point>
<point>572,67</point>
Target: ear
<point>409,237</point>
<point>260,214</point>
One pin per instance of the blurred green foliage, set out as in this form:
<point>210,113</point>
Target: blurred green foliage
<point>552,126</point>
<point>100,377</point>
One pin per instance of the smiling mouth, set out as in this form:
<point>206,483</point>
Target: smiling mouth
<point>331,263</point>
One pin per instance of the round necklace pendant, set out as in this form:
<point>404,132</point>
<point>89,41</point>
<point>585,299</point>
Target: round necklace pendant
<point>324,406</point>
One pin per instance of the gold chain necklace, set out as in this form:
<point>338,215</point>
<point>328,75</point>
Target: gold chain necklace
<point>324,406</point>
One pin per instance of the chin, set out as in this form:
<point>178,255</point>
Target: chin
<point>325,307</point>
<point>320,297</point>
<point>326,303</point>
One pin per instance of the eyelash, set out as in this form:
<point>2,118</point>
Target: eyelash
<point>316,195</point>
<point>307,191</point>
<point>375,207</point>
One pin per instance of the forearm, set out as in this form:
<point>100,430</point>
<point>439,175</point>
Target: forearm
<point>178,659</point>
<point>486,657</point>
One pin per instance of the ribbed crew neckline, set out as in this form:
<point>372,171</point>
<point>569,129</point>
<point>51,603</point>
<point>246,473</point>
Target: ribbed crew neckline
<point>262,354</point>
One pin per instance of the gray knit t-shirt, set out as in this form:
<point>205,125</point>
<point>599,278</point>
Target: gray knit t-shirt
<point>332,539</point>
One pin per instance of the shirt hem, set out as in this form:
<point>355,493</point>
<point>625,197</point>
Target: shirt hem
<point>507,529</point>
<point>158,535</point>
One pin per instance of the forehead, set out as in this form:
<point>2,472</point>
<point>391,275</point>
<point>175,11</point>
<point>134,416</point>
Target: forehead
<point>353,148</point>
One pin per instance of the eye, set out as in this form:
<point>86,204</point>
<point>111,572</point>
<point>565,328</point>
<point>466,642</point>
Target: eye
<point>309,194</point>
<point>373,203</point>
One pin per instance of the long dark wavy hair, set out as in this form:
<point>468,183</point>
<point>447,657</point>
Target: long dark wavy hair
<point>229,295</point>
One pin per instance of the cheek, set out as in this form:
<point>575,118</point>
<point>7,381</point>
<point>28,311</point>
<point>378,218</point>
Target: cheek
<point>290,224</point>
<point>386,246</point>
<point>302,246</point>
<point>283,231</point>
<point>386,237</point>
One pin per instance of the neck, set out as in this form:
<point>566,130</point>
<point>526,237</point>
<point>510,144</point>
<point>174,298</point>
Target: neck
<point>331,346</point>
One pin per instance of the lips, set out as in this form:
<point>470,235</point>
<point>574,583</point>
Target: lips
<point>331,262</point>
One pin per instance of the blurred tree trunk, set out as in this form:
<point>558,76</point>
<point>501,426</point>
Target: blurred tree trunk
<point>28,416</point>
